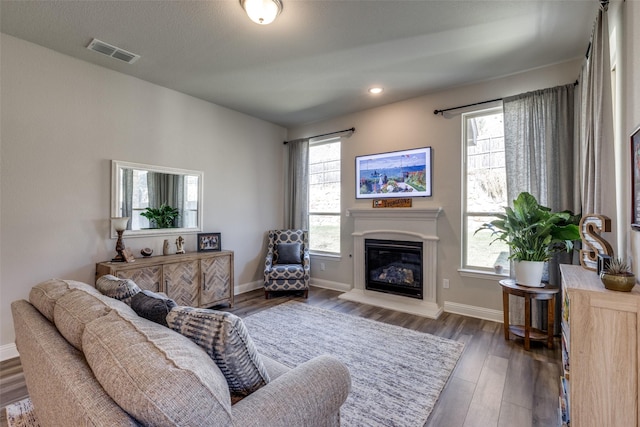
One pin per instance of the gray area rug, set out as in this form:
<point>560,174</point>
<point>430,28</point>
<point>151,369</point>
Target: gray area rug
<point>397,374</point>
<point>21,414</point>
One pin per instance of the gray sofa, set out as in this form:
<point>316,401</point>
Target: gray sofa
<point>90,360</point>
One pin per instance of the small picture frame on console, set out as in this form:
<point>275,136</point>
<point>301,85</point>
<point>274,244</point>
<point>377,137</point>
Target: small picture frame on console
<point>208,242</point>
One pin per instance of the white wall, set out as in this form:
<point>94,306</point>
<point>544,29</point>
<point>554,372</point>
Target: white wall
<point>629,48</point>
<point>64,120</point>
<point>412,124</point>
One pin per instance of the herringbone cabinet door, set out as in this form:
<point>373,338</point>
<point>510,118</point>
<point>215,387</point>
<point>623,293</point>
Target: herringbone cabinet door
<point>216,280</point>
<point>146,277</point>
<point>181,282</point>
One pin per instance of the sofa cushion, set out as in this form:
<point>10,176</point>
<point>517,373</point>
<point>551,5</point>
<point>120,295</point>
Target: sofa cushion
<point>226,340</point>
<point>77,308</point>
<point>155,374</point>
<point>289,253</point>
<point>114,287</point>
<point>152,306</point>
<point>44,295</point>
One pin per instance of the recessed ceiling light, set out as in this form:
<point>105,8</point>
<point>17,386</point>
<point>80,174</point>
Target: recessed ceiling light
<point>375,90</point>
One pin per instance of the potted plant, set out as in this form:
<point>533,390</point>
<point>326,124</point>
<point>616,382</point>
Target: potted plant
<point>162,217</point>
<point>617,276</point>
<point>533,234</point>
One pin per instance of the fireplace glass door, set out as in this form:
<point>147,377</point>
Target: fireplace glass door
<point>394,267</point>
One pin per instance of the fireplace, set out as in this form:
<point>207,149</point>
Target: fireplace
<point>416,229</point>
<point>393,266</point>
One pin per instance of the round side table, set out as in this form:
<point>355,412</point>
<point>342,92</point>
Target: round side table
<point>510,287</point>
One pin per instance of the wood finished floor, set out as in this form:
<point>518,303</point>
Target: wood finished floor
<point>495,383</point>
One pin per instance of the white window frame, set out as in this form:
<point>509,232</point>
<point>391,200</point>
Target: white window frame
<point>338,213</point>
<point>466,269</point>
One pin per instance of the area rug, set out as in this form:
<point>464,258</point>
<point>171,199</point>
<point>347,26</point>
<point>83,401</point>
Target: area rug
<point>21,414</point>
<point>397,374</point>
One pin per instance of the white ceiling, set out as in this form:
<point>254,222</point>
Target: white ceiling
<point>317,60</point>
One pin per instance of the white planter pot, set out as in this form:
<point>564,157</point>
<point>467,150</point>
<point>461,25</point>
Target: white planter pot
<point>529,273</point>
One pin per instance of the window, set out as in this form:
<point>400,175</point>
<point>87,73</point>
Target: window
<point>484,189</point>
<point>324,196</point>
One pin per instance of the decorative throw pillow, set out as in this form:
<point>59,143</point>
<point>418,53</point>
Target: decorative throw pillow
<point>114,287</point>
<point>289,253</point>
<point>152,306</point>
<point>226,340</point>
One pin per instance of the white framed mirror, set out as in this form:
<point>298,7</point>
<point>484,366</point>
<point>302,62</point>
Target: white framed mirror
<point>136,187</point>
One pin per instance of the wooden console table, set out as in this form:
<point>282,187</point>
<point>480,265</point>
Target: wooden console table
<point>196,279</point>
<point>510,287</point>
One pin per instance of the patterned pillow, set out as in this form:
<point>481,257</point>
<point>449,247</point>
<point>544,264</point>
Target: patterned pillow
<point>152,306</point>
<point>226,340</point>
<point>114,287</point>
<point>289,253</point>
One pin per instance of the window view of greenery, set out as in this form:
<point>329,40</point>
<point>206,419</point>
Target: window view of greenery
<point>486,190</point>
<point>324,197</point>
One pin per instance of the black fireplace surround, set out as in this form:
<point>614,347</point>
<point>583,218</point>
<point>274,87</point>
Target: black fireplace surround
<point>393,266</point>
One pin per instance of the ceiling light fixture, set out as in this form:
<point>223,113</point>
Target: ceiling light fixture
<point>262,12</point>
<point>375,90</point>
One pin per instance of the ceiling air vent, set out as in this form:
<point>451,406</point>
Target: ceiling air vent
<point>112,51</point>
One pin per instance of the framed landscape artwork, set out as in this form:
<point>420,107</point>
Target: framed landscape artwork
<point>635,180</point>
<point>397,174</point>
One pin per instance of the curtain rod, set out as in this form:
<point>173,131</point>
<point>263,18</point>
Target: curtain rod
<point>436,112</point>
<point>327,134</point>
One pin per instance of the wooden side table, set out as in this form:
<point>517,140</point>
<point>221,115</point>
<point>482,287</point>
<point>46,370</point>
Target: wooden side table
<point>510,287</point>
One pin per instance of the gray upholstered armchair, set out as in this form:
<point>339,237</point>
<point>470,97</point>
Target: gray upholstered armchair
<point>287,265</point>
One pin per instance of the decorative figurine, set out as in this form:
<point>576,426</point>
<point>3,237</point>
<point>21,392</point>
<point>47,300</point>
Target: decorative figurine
<point>179,245</point>
<point>165,247</point>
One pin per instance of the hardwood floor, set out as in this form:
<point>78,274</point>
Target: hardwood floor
<point>496,382</point>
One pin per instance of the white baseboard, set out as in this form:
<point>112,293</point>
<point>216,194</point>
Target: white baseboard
<point>248,287</point>
<point>473,311</point>
<point>8,351</point>
<point>327,284</point>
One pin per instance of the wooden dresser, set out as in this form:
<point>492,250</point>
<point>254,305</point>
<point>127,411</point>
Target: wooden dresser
<point>600,352</point>
<point>196,279</point>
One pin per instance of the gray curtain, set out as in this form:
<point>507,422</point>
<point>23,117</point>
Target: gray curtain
<point>297,210</point>
<point>539,152</point>
<point>168,189</point>
<point>596,116</point>
<point>539,146</point>
<point>127,194</point>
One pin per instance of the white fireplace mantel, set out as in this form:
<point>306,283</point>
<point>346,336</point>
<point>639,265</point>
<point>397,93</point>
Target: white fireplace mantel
<point>394,213</point>
<point>409,224</point>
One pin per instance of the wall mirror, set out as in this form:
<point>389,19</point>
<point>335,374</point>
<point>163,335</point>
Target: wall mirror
<point>136,187</point>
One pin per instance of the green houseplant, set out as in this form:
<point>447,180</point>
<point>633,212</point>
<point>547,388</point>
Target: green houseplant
<point>533,234</point>
<point>617,276</point>
<point>162,217</point>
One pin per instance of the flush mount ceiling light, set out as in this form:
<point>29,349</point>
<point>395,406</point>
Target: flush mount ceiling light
<point>375,90</point>
<point>262,12</point>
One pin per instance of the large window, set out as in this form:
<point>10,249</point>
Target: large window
<point>324,196</point>
<point>484,189</point>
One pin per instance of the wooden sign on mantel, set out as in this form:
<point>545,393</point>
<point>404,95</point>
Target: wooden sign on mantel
<point>392,203</point>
